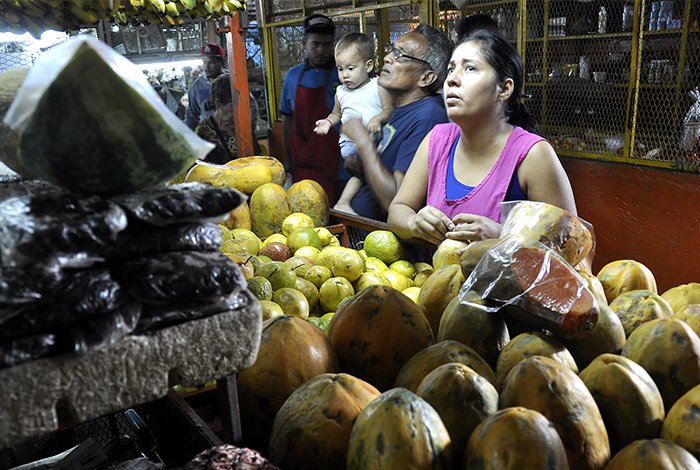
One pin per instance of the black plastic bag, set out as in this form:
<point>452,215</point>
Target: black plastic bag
<point>142,239</point>
<point>16,351</point>
<point>46,227</point>
<point>186,202</point>
<point>81,294</point>
<point>155,317</point>
<point>180,276</point>
<point>98,332</point>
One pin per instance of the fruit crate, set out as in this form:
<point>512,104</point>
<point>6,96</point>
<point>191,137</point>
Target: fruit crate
<point>178,433</point>
<point>351,231</point>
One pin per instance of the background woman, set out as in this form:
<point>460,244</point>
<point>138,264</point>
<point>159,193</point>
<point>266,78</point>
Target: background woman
<point>464,170</point>
<point>219,128</point>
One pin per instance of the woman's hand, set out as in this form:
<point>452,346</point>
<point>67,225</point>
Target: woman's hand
<point>431,225</point>
<point>470,227</point>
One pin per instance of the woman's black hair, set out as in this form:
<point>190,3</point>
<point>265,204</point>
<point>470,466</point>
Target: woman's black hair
<point>221,90</point>
<point>505,60</point>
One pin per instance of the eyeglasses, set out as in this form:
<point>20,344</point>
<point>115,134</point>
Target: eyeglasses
<point>398,54</point>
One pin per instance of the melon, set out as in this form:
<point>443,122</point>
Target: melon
<point>399,430</point>
<point>625,275</point>
<point>627,397</point>
<point>515,438</point>
<point>292,351</point>
<point>269,206</point>
<point>309,197</point>
<point>376,332</point>
<point>312,428</point>
<point>545,385</point>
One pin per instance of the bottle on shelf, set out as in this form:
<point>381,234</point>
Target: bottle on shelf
<point>627,16</point>
<point>602,20</point>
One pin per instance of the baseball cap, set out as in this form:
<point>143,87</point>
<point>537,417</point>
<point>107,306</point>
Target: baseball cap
<point>213,50</point>
<point>319,24</point>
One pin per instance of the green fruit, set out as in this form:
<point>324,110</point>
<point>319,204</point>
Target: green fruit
<point>292,302</point>
<point>317,275</point>
<point>404,267</point>
<point>333,291</point>
<point>260,288</point>
<point>299,265</point>
<point>309,290</point>
<point>270,309</point>
<point>376,265</point>
<point>384,245</point>
<point>279,275</point>
<point>303,237</point>
<point>348,264</point>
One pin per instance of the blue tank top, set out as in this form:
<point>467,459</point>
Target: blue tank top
<point>454,189</point>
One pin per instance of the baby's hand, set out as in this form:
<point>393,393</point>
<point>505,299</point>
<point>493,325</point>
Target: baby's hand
<point>322,126</point>
<point>374,125</point>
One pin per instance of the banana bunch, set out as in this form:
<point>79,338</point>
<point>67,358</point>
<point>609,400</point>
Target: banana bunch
<point>36,16</point>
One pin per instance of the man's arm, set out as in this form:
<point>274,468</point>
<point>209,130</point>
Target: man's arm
<point>192,112</point>
<point>382,182</point>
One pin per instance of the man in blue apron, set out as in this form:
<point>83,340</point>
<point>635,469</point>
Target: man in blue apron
<point>307,96</point>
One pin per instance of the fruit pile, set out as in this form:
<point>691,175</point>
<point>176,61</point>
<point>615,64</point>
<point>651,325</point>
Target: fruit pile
<point>36,16</point>
<point>445,366</point>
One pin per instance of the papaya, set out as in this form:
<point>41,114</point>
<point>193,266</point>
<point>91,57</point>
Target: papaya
<point>399,430</point>
<point>376,332</point>
<point>425,361</point>
<point>682,423</point>
<point>309,197</point>
<point>473,253</point>
<point>552,226</point>
<point>312,428</point>
<point>639,306</point>
<point>292,351</point>
<point>448,252</point>
<point>625,275</point>
<point>277,173</point>
<point>669,350</point>
<point>532,344</point>
<point>691,315</point>
<point>515,438</point>
<point>462,398</point>
<point>244,178</point>
<point>595,286</point>
<point>608,336</point>
<point>545,385</point>
<point>680,296</point>
<point>269,206</point>
<point>628,399</point>
<point>239,217</point>
<point>437,291</point>
<point>485,332</point>
<point>658,454</point>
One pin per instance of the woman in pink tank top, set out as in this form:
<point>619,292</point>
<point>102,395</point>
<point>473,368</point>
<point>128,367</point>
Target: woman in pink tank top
<point>464,170</point>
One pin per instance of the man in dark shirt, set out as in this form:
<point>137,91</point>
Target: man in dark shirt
<point>200,105</point>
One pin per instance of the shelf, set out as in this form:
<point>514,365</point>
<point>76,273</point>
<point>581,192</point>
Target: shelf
<point>662,32</point>
<point>591,36</point>
<point>658,86</point>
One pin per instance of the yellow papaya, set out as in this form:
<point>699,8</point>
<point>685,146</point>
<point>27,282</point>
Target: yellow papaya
<point>269,206</point>
<point>245,178</point>
<point>309,197</point>
<point>276,168</point>
<point>680,296</point>
<point>625,275</point>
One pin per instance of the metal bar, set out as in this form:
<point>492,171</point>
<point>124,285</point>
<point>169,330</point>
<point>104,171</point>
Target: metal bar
<point>239,86</point>
<point>297,21</point>
<point>633,82</point>
<point>231,432</point>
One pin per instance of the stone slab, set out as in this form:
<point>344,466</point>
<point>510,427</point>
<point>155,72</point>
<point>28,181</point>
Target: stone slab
<point>138,369</point>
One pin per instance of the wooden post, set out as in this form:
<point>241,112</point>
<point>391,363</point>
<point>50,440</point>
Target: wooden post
<point>235,44</point>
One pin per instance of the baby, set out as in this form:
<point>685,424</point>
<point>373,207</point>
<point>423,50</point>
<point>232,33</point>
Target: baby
<point>359,95</point>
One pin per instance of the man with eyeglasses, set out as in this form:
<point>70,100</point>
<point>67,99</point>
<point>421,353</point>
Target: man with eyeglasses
<point>414,69</point>
<point>307,96</point>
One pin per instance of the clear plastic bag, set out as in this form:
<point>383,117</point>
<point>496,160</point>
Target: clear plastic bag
<point>179,277</point>
<point>89,121</point>
<point>46,227</point>
<point>531,282</point>
<point>176,204</point>
<point>570,236</point>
